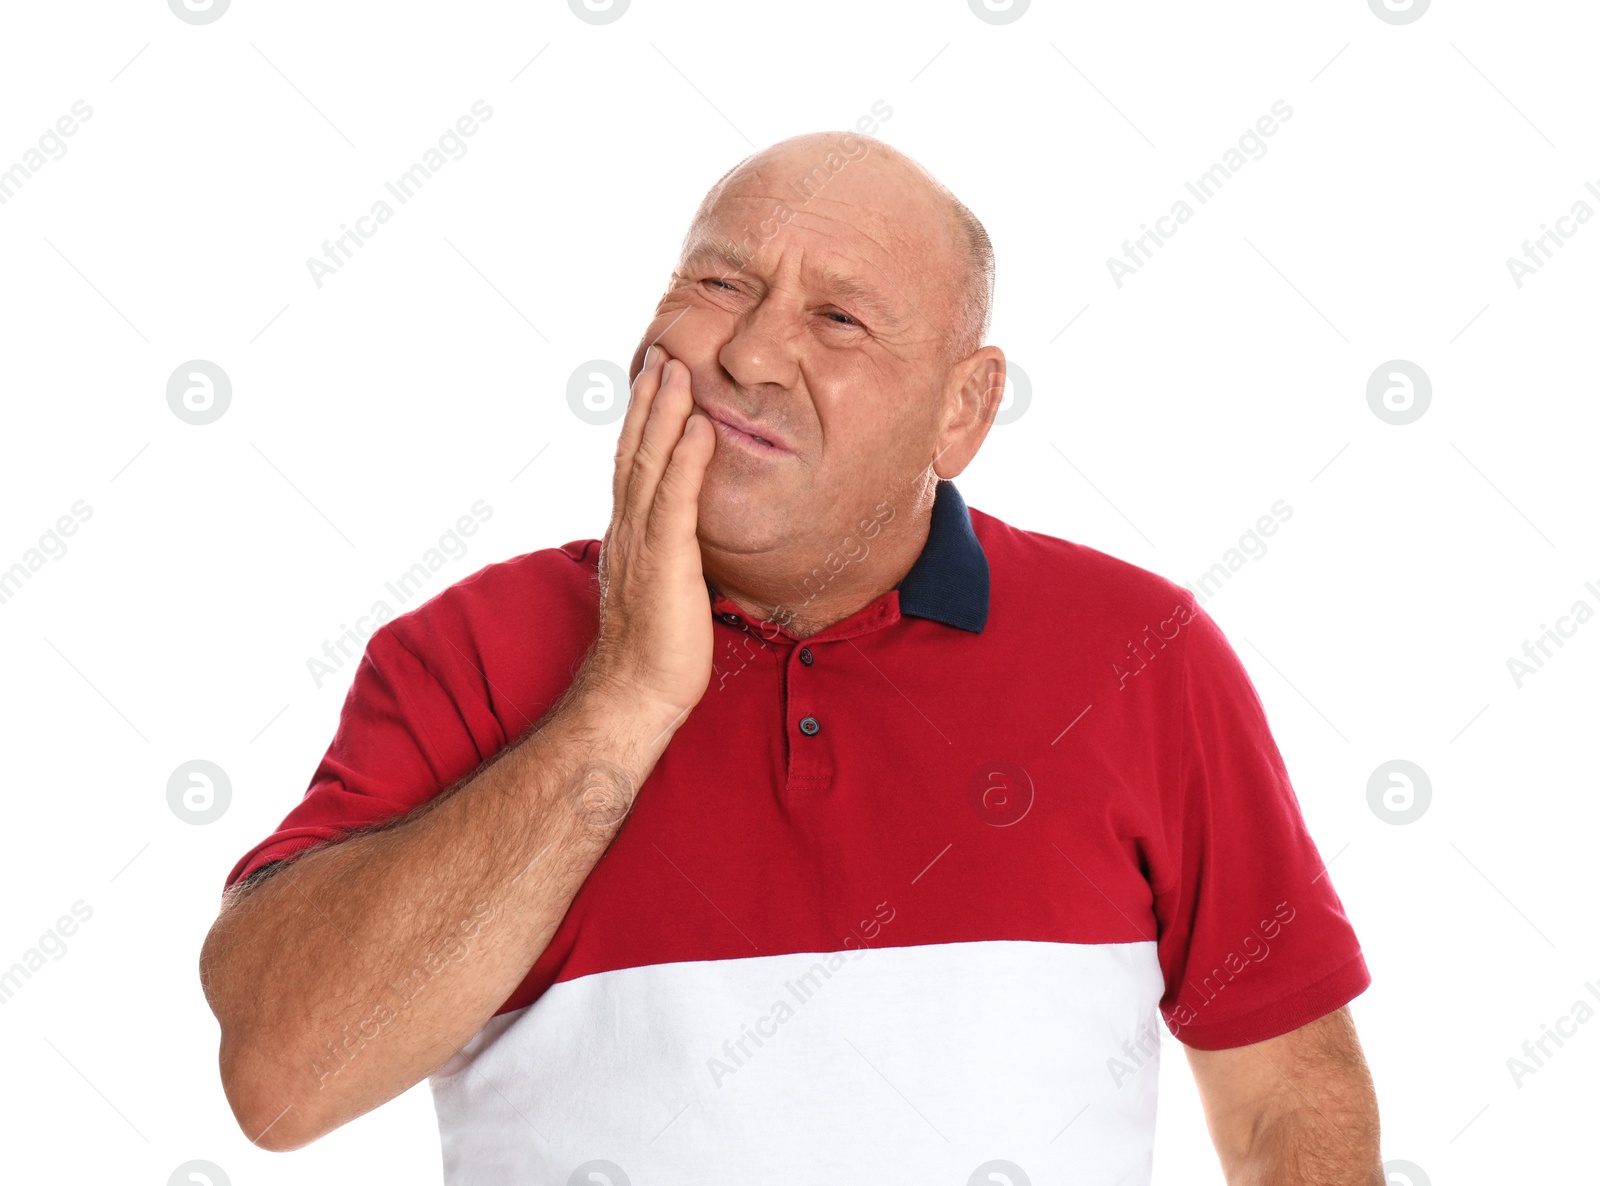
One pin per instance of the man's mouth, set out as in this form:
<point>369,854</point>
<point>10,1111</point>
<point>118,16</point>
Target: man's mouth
<point>743,432</point>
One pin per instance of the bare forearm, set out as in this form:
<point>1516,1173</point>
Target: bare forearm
<point>1308,1149</point>
<point>359,968</point>
<point>1299,1108</point>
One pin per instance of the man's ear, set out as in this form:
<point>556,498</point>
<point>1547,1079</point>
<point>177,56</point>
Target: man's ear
<point>973,392</point>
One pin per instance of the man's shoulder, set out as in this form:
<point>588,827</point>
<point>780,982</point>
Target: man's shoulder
<point>555,569</point>
<point>1055,573</point>
<point>553,589</point>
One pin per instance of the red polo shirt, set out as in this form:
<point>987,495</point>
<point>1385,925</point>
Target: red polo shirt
<point>900,899</point>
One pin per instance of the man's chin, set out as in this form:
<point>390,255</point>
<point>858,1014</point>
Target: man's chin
<point>740,516</point>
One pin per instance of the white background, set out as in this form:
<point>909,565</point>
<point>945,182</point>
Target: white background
<point>430,372</point>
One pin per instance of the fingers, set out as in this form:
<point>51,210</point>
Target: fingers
<point>640,400</point>
<point>663,428</point>
<point>676,510</point>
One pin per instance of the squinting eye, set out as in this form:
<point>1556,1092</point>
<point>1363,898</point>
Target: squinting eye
<point>846,318</point>
<point>714,280</point>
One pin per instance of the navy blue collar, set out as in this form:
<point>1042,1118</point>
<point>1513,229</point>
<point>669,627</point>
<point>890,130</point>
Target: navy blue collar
<point>949,583</point>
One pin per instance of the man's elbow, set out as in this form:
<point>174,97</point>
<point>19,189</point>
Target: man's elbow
<point>275,1110</point>
<point>280,1101</point>
<point>270,1116</point>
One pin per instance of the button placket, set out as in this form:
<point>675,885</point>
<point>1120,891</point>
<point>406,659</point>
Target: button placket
<point>810,762</point>
<point>809,748</point>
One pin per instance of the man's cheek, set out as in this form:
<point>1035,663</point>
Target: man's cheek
<point>693,332</point>
<point>670,316</point>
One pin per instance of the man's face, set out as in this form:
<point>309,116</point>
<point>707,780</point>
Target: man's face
<point>818,323</point>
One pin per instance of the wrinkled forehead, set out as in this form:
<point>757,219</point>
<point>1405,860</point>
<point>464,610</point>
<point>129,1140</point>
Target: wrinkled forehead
<point>840,203</point>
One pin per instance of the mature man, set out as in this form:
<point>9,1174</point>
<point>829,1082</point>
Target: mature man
<point>812,827</point>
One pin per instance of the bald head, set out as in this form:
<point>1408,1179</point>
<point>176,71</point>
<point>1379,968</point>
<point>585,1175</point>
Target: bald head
<point>938,230</point>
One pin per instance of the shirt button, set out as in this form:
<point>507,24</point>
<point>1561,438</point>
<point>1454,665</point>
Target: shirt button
<point>809,726</point>
<point>805,656</point>
<point>731,619</point>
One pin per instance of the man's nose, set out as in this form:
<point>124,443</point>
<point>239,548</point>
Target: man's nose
<point>764,348</point>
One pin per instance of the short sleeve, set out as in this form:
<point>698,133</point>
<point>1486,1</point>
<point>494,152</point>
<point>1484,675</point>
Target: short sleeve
<point>401,739</point>
<point>1252,939</point>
